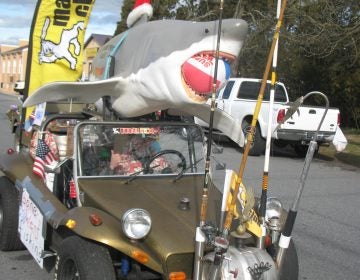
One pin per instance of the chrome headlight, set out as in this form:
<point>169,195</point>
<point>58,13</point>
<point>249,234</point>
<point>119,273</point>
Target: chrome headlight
<point>273,208</point>
<point>136,223</point>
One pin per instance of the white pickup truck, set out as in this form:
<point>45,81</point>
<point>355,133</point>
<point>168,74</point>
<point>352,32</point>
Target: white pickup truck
<point>238,99</point>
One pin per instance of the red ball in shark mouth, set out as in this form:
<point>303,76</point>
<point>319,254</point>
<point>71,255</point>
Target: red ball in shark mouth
<point>198,73</point>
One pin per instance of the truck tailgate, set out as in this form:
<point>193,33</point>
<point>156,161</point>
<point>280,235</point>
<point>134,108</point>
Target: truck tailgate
<point>308,118</point>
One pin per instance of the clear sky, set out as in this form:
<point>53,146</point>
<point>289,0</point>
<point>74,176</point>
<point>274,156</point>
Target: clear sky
<point>16,17</point>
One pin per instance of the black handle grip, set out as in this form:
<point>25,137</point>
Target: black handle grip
<point>289,224</point>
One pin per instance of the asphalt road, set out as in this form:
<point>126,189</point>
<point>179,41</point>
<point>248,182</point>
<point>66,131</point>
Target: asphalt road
<point>327,229</point>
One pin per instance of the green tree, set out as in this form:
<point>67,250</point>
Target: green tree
<point>322,40</point>
<point>125,10</point>
<point>161,9</point>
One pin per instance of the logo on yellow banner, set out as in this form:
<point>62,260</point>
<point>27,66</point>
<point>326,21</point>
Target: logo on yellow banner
<point>52,51</point>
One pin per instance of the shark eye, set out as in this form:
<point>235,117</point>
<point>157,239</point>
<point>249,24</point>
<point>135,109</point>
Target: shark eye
<point>206,30</point>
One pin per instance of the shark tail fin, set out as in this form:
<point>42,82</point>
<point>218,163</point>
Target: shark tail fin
<point>86,92</point>
<point>224,122</point>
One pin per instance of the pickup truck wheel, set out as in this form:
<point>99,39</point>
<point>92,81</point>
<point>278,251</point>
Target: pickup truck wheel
<point>301,150</point>
<point>258,145</point>
<point>9,216</point>
<point>81,259</point>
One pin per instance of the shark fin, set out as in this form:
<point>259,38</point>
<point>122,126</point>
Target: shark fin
<point>86,92</point>
<point>222,121</point>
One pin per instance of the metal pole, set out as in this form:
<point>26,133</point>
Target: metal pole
<point>285,237</point>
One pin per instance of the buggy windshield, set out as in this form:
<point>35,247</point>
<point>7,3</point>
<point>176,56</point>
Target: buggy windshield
<point>137,148</point>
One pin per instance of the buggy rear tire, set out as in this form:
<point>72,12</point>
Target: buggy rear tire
<point>81,259</point>
<point>9,216</point>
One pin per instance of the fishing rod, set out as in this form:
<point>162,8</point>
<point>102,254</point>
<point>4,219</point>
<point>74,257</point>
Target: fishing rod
<point>204,200</point>
<point>200,236</point>
<point>285,237</point>
<point>265,180</point>
<point>250,134</point>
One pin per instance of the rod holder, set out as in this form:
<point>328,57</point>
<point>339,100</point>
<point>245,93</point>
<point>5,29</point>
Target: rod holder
<point>199,253</point>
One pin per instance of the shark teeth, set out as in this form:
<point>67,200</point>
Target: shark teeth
<point>197,97</point>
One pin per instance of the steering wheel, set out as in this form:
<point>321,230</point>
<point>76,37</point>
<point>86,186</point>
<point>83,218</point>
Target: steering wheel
<point>166,170</point>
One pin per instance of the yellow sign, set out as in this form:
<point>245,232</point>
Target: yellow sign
<point>91,52</point>
<point>57,41</point>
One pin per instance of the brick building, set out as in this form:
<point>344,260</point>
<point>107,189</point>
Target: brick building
<point>12,65</point>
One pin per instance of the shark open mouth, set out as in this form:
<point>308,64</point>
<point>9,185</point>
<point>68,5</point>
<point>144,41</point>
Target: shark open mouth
<point>197,74</point>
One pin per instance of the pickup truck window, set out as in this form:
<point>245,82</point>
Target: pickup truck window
<point>250,90</point>
<point>228,89</point>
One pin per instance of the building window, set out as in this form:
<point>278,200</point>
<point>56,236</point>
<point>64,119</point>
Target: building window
<point>13,65</point>
<point>20,67</point>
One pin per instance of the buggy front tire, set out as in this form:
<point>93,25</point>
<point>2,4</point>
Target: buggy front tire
<point>81,259</point>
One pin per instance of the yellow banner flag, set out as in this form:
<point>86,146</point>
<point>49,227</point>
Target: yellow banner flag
<point>56,42</point>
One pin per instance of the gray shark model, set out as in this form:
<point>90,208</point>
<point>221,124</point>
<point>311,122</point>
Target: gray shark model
<point>140,69</point>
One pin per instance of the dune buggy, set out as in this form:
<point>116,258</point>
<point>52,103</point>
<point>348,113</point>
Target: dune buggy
<point>124,202</point>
